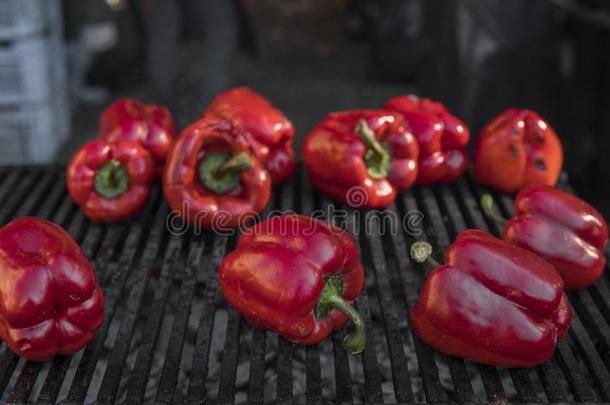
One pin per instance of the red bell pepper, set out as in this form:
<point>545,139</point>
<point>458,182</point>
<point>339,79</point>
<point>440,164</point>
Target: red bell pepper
<point>491,302</point>
<point>516,149</point>
<point>110,181</point>
<point>560,227</point>
<point>361,157</point>
<point>150,125</point>
<point>442,138</point>
<point>211,179</point>
<point>51,302</point>
<point>297,276</point>
<point>268,131</point>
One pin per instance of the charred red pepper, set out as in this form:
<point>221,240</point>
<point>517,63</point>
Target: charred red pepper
<point>562,228</point>
<point>150,125</point>
<point>268,131</point>
<point>110,181</point>
<point>361,157</point>
<point>51,302</point>
<point>211,179</point>
<point>516,149</point>
<point>442,138</point>
<point>297,276</point>
<point>491,302</point>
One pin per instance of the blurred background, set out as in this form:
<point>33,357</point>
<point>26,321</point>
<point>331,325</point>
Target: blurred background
<point>63,61</point>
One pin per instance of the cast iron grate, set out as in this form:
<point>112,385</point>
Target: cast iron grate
<point>169,337</point>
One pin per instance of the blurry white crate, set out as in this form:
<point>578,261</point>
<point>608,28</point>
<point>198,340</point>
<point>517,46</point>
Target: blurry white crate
<point>33,133</point>
<point>20,18</point>
<point>30,68</point>
<point>33,65</point>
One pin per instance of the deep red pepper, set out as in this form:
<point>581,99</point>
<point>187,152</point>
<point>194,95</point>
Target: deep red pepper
<point>442,138</point>
<point>297,276</point>
<point>110,181</point>
<point>51,302</point>
<point>268,131</point>
<point>211,179</point>
<point>516,149</point>
<point>150,125</point>
<point>562,228</point>
<point>362,157</point>
<point>491,302</point>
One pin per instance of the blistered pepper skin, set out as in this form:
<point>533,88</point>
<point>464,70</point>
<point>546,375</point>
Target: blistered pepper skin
<point>50,302</point>
<point>191,199</point>
<point>334,156</point>
<point>562,228</point>
<point>442,138</point>
<point>492,302</point>
<point>516,149</point>
<point>90,159</point>
<point>152,126</point>
<point>276,275</point>
<point>269,133</point>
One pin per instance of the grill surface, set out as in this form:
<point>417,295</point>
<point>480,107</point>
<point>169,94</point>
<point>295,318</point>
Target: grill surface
<point>170,337</point>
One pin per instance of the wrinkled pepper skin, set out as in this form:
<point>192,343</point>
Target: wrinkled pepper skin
<point>441,136</point>
<point>334,154</point>
<point>51,302</point>
<point>562,228</point>
<point>516,149</point>
<point>492,302</point>
<point>87,168</point>
<point>185,191</point>
<point>276,275</point>
<point>268,131</point>
<point>150,125</point>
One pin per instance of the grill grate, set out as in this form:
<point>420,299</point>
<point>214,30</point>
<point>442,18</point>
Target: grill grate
<point>170,337</point>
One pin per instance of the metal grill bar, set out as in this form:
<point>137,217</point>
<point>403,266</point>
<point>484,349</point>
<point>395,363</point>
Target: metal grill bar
<point>173,356</point>
<point>197,389</point>
<point>112,376</point>
<point>428,369</point>
<point>146,351</point>
<point>115,275</point>
<point>394,336</point>
<point>153,279</point>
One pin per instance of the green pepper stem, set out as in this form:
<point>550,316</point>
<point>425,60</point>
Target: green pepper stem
<point>332,298</point>
<point>237,163</point>
<point>368,136</point>
<point>377,157</point>
<point>487,204</point>
<point>421,252</point>
<point>356,342</point>
<point>111,180</point>
<point>220,172</point>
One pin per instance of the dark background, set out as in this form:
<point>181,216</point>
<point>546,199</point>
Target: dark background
<point>314,56</point>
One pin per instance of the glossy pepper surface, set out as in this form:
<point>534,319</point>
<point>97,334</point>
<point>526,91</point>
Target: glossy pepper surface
<point>211,179</point>
<point>297,276</point>
<point>361,157</point>
<point>269,133</point>
<point>150,125</point>
<point>51,302</point>
<point>516,149</point>
<point>560,227</point>
<point>110,181</point>
<point>441,136</point>
<point>491,302</point>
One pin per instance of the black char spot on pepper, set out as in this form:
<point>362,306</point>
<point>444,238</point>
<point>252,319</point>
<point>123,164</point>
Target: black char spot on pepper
<point>540,165</point>
<point>514,150</point>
